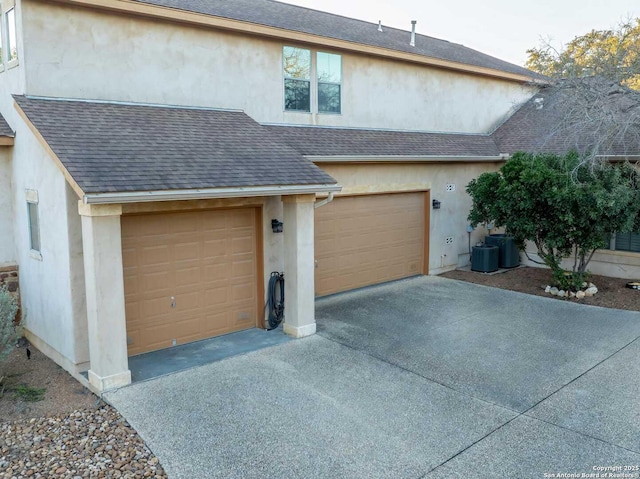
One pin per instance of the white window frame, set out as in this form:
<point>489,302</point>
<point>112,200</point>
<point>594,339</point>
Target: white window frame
<point>7,62</point>
<point>313,82</point>
<point>317,84</point>
<point>32,200</point>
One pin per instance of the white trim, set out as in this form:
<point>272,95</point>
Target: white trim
<point>99,384</point>
<point>35,254</point>
<point>359,128</point>
<point>31,196</point>
<point>403,158</point>
<point>299,331</point>
<point>208,193</point>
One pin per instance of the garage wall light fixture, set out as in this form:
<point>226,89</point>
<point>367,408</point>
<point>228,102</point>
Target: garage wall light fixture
<point>276,226</point>
<point>436,204</point>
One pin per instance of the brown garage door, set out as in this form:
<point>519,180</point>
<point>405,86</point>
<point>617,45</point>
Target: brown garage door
<point>364,240</point>
<point>188,276</point>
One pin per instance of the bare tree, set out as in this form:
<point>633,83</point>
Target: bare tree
<point>592,101</point>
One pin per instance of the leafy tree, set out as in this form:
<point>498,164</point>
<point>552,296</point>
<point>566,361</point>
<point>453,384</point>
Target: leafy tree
<point>565,207</point>
<point>613,54</point>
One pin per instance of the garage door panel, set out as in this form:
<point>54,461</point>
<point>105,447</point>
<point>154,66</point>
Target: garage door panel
<point>205,260</point>
<point>189,276</point>
<point>369,239</point>
<point>187,251</point>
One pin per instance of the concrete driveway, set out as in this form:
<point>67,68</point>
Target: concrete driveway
<point>427,377</point>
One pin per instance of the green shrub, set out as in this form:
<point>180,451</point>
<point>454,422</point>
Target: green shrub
<point>9,331</point>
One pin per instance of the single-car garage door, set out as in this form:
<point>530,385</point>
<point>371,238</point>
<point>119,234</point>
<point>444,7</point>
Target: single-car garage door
<point>189,276</point>
<point>364,240</point>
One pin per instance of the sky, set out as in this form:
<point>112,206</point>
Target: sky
<point>501,28</point>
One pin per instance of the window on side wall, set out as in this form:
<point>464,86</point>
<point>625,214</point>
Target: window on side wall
<point>34,226</point>
<point>297,79</point>
<point>12,44</point>
<point>329,73</point>
<point>627,242</point>
<point>3,29</point>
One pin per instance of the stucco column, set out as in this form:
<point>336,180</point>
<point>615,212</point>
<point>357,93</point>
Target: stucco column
<point>102,250</point>
<point>299,292</point>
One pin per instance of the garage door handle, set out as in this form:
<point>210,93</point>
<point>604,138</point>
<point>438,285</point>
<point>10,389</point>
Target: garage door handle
<point>173,302</point>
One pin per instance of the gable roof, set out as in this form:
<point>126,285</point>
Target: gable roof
<point>109,147</point>
<point>5,129</point>
<point>586,115</point>
<point>305,20</point>
<point>324,142</point>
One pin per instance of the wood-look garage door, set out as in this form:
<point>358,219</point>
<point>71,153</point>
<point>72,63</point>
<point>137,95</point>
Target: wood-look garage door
<point>188,276</point>
<point>364,240</point>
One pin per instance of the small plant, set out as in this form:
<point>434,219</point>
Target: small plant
<point>28,393</point>
<point>10,332</point>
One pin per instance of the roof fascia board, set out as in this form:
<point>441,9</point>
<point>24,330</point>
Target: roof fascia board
<point>6,141</point>
<point>49,150</point>
<point>205,193</point>
<point>166,13</point>
<point>405,159</point>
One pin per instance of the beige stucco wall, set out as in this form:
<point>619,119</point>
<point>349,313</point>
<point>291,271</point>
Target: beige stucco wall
<point>98,55</point>
<point>617,264</point>
<point>49,288</point>
<point>448,221</point>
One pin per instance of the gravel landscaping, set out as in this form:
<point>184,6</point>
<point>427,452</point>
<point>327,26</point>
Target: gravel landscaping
<point>87,443</point>
<point>69,433</point>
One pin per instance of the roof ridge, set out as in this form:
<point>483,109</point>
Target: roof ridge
<point>375,25</point>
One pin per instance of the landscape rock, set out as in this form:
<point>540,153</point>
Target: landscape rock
<point>561,293</point>
<point>580,295</point>
<point>547,289</point>
<point>94,442</point>
<point>554,291</point>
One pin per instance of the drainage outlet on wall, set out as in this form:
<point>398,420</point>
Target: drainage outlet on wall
<point>448,240</point>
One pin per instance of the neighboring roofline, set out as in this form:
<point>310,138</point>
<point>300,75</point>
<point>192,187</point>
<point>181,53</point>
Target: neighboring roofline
<point>404,158</point>
<point>205,193</point>
<point>184,16</point>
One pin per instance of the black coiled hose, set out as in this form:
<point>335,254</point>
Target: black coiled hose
<point>275,300</point>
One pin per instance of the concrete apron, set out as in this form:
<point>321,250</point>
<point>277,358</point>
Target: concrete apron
<point>424,378</point>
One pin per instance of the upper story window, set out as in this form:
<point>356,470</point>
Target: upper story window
<point>304,80</point>
<point>297,79</point>
<point>12,44</point>
<point>2,30</point>
<point>329,71</point>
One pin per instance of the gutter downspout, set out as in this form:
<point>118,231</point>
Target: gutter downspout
<point>326,201</point>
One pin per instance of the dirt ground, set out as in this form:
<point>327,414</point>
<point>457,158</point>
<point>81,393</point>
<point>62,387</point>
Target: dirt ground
<point>62,392</point>
<point>612,292</point>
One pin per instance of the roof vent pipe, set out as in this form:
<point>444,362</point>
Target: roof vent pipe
<point>379,25</point>
<point>413,33</point>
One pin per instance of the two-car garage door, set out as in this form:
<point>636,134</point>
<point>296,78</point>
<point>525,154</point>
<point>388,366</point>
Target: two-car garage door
<point>195,275</point>
<point>189,276</point>
<point>369,239</point>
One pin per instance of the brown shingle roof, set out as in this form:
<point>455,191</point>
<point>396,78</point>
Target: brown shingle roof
<point>319,141</point>
<point>108,147</point>
<point>300,19</point>
<point>5,129</point>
